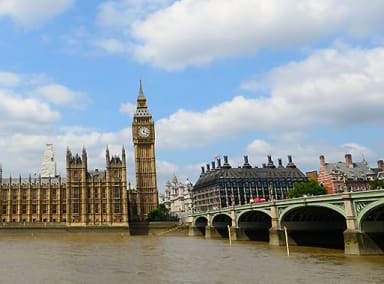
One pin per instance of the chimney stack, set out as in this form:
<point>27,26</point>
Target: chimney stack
<point>270,162</point>
<point>226,164</point>
<point>322,160</point>
<point>202,170</point>
<point>348,160</point>
<point>380,164</point>
<point>290,163</point>
<point>218,162</point>
<point>246,163</point>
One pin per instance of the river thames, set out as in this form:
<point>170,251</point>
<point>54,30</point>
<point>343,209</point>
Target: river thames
<point>86,257</point>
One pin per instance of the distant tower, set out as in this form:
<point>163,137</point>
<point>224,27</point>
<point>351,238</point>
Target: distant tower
<point>48,166</point>
<point>143,133</point>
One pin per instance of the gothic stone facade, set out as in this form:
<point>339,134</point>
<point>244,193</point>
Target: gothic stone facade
<point>143,133</point>
<point>84,198</point>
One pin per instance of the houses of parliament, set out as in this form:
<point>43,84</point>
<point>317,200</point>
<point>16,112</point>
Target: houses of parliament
<point>87,198</point>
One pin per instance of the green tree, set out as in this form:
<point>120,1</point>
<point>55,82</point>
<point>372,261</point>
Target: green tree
<point>375,184</point>
<point>158,214</point>
<point>306,188</point>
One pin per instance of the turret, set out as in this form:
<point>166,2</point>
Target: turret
<point>107,157</point>
<point>123,157</point>
<point>68,157</point>
<point>124,167</point>
<point>84,158</point>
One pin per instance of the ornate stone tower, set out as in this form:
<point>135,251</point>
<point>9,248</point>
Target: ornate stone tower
<point>143,133</point>
<point>76,188</point>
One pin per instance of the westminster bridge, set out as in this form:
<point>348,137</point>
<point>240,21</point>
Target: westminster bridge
<point>353,221</point>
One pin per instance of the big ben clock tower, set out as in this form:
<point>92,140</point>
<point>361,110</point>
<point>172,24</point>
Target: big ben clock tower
<point>143,133</point>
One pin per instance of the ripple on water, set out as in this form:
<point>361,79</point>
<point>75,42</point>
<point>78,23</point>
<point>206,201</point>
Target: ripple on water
<point>109,258</point>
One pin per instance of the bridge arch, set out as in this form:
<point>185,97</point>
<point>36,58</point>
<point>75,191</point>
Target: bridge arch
<point>221,222</point>
<point>366,213</point>
<point>371,222</point>
<point>254,225</point>
<point>314,225</point>
<point>332,207</point>
<point>201,223</point>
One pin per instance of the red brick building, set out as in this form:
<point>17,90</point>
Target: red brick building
<point>347,175</point>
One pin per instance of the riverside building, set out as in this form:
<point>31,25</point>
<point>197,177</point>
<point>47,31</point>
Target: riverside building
<point>86,198</point>
<point>178,198</point>
<point>349,175</point>
<point>222,186</point>
<point>83,198</point>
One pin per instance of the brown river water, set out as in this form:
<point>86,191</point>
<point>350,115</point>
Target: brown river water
<point>86,257</point>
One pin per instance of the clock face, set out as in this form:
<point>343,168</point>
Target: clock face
<point>144,131</point>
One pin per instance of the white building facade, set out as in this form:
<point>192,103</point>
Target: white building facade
<point>178,198</point>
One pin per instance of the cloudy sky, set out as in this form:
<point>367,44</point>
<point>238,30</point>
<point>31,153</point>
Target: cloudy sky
<point>222,77</point>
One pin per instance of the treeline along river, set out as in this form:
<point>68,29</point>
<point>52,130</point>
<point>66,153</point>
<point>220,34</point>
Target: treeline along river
<point>115,257</point>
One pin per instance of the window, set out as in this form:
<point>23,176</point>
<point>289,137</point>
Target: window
<point>53,194</point>
<point>116,208</point>
<point>76,193</point>
<point>116,192</point>
<point>75,208</point>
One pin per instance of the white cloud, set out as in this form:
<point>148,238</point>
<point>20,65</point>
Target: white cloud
<point>111,45</point>
<point>31,13</point>
<point>122,13</point>
<point>9,79</point>
<point>195,32</point>
<point>28,99</point>
<point>259,146</point>
<point>128,108</point>
<point>331,87</point>
<point>27,114</point>
<point>63,96</point>
<point>22,152</point>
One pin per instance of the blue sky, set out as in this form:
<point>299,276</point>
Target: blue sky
<point>222,77</point>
